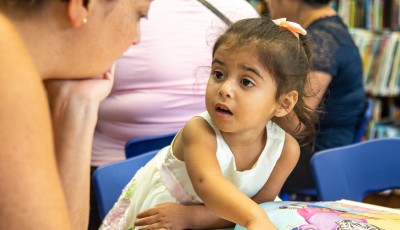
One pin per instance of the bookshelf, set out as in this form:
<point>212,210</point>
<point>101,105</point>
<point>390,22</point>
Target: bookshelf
<point>374,26</point>
<point>370,14</point>
<point>259,5</point>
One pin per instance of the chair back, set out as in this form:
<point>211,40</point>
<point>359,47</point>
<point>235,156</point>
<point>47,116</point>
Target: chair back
<point>109,180</point>
<point>353,171</point>
<point>137,146</point>
<point>362,126</point>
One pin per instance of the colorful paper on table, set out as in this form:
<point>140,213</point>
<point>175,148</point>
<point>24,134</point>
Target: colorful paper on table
<point>342,214</point>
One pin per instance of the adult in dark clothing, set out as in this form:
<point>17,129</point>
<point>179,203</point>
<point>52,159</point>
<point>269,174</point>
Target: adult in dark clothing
<point>336,80</point>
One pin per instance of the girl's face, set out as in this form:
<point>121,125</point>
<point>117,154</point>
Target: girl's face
<point>113,25</point>
<point>240,94</point>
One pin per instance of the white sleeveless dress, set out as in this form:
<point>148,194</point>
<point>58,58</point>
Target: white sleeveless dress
<point>147,188</point>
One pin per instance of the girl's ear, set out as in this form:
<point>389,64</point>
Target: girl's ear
<point>77,13</point>
<point>287,102</point>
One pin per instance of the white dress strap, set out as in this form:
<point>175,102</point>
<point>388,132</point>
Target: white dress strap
<point>173,186</point>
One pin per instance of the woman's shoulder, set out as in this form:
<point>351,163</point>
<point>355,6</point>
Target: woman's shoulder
<point>330,31</point>
<point>13,53</point>
<point>9,38</point>
<point>5,25</point>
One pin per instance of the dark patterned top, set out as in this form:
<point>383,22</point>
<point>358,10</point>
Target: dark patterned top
<point>334,52</point>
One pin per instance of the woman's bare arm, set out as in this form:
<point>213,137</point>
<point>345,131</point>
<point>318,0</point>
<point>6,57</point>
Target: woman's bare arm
<point>31,192</point>
<point>74,109</point>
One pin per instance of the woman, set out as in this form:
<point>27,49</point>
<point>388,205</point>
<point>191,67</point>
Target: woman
<point>336,79</point>
<point>45,169</point>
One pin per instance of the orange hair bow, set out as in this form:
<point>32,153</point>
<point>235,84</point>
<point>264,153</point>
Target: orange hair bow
<point>293,27</point>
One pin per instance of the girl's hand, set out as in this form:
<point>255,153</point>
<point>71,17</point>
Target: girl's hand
<point>169,216</point>
<point>263,224</point>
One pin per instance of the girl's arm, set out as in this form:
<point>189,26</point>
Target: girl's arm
<point>31,194</point>
<point>218,194</point>
<point>175,216</point>
<point>284,166</point>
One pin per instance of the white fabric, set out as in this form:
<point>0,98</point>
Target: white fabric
<point>148,189</point>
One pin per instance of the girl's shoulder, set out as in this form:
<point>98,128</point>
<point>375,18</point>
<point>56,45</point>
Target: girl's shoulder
<point>291,148</point>
<point>200,121</point>
<point>198,126</point>
<point>195,134</point>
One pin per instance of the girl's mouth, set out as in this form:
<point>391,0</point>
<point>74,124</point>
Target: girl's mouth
<point>223,111</point>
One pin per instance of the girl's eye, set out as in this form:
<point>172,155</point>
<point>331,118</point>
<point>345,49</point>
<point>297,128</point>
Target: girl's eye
<point>218,75</point>
<point>247,83</point>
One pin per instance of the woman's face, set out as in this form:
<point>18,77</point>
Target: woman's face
<point>112,26</point>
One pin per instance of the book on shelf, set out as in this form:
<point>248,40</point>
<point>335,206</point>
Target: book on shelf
<point>341,214</point>
<point>387,64</point>
<point>380,53</point>
<point>370,14</point>
<point>395,72</point>
<point>386,128</point>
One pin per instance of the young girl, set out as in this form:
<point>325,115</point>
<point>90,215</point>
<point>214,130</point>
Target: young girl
<point>233,156</point>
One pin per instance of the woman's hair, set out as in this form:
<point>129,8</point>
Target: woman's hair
<point>286,57</point>
<point>317,3</point>
<point>22,5</point>
<point>27,6</point>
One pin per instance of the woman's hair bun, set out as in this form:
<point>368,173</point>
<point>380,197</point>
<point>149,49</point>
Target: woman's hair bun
<point>317,2</point>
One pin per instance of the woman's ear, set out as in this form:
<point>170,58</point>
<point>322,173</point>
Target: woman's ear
<point>77,12</point>
<point>287,102</point>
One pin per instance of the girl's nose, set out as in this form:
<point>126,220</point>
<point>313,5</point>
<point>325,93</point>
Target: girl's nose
<point>226,89</point>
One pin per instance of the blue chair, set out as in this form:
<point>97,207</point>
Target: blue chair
<point>354,171</point>
<point>360,133</point>
<point>362,126</point>
<point>110,179</point>
<point>137,146</point>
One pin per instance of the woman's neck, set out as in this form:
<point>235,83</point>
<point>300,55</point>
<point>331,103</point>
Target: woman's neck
<point>308,14</point>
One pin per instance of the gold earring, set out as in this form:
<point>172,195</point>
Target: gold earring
<point>84,20</point>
